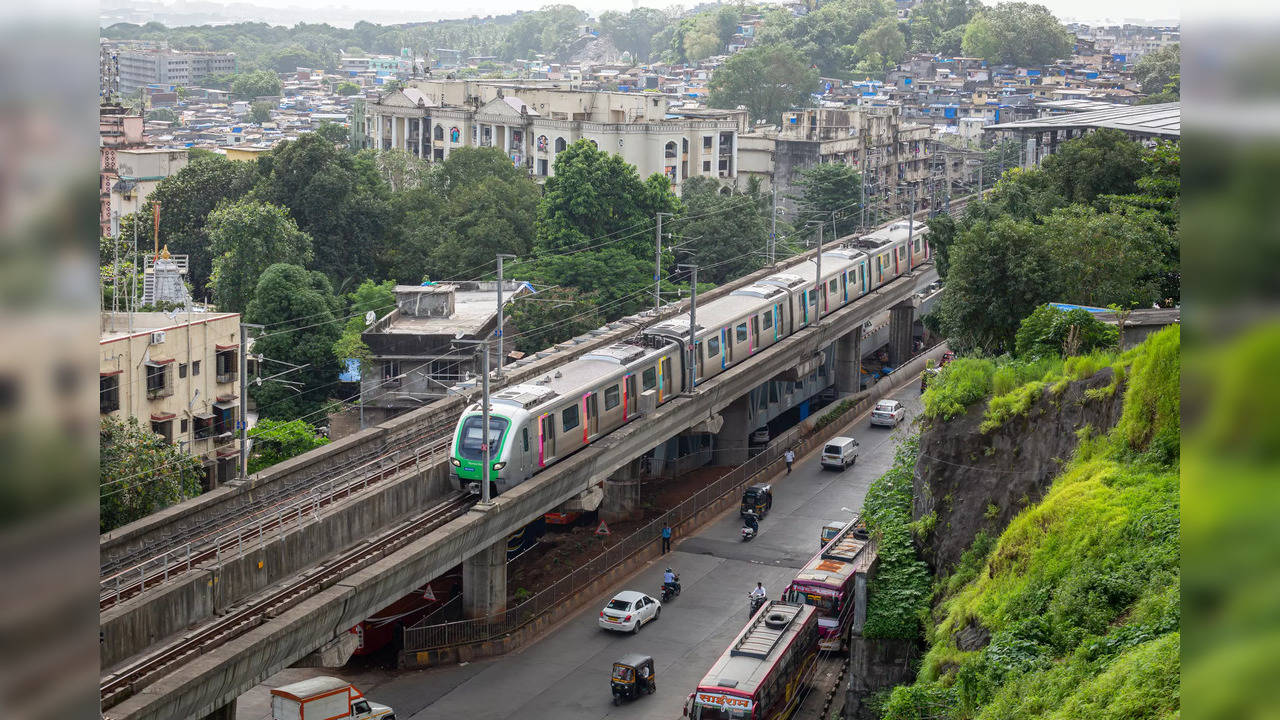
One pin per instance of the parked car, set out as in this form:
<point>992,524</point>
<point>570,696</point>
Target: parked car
<point>840,453</point>
<point>760,436</point>
<point>628,610</point>
<point>888,413</point>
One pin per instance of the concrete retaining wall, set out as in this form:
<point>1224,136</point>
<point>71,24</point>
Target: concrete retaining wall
<point>141,622</point>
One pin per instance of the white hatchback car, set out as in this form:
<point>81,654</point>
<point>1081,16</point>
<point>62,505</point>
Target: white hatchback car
<point>888,413</point>
<point>628,610</point>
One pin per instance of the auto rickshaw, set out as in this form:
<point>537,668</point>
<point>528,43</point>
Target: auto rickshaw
<point>757,499</point>
<point>632,675</point>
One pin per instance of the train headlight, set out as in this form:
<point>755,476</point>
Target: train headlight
<point>499,465</point>
<point>456,462</point>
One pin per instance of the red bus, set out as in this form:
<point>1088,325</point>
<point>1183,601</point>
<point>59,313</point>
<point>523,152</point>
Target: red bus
<point>761,674</point>
<point>834,581</point>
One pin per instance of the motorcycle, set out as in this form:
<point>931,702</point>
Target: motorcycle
<point>670,590</point>
<point>750,527</point>
<point>748,532</point>
<point>757,601</point>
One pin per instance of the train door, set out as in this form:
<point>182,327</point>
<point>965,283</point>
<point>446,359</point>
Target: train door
<point>664,377</point>
<point>777,322</point>
<point>896,269</point>
<point>844,287</point>
<point>629,398</point>
<point>546,439</point>
<point>593,417</point>
<point>727,341</point>
<point>697,360</point>
<point>804,306</point>
<point>755,333</point>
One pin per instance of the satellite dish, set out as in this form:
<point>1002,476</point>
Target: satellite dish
<point>370,317</point>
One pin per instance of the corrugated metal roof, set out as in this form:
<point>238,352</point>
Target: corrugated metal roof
<point>1161,120</point>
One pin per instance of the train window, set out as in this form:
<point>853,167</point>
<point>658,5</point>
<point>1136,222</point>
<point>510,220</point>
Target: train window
<point>569,418</point>
<point>713,347</point>
<point>833,285</point>
<point>768,320</point>
<point>524,432</point>
<point>612,398</point>
<point>741,333</point>
<point>649,378</point>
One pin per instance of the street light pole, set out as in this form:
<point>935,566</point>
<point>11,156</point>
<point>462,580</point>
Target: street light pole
<point>821,286</point>
<point>244,397</point>
<point>657,264</point>
<point>773,231</point>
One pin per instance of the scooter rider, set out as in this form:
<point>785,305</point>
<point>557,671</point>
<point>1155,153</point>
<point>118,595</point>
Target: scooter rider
<point>749,520</point>
<point>669,581</point>
<point>756,597</point>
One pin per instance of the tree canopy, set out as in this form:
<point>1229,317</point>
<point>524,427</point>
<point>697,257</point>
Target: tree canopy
<point>275,441</point>
<point>300,312</point>
<point>247,237</point>
<point>140,472</point>
<point>727,234</point>
<point>828,187</point>
<point>257,83</point>
<point>1157,70</point>
<point>767,79</point>
<point>1017,33</point>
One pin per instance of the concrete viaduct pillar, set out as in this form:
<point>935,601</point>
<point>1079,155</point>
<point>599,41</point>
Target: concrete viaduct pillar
<point>484,581</point>
<point>622,494</point>
<point>733,437</point>
<point>848,369</point>
<point>901,319</point>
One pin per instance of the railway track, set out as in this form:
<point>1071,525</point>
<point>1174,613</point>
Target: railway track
<point>253,521</point>
<point>124,682</point>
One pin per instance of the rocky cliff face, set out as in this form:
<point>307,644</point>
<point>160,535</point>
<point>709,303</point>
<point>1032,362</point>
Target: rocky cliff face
<point>968,481</point>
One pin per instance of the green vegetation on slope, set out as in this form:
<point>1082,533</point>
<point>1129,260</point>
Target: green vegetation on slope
<point>899,598</point>
<point>1080,594</point>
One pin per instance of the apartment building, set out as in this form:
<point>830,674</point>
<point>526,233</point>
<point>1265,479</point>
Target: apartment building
<point>178,374</point>
<point>894,154</point>
<point>139,68</point>
<point>534,123</point>
<point>118,131</point>
<point>413,351</point>
<point>139,171</point>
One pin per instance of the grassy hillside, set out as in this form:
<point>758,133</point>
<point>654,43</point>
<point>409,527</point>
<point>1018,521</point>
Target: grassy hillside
<point>1073,612</point>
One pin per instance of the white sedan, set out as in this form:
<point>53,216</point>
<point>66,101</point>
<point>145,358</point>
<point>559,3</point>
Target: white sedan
<point>628,610</point>
<point>888,413</point>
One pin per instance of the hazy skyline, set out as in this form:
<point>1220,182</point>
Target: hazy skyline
<point>388,11</point>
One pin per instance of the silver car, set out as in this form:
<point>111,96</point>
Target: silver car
<point>888,413</point>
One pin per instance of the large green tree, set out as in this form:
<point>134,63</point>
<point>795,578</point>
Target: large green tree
<point>727,234</point>
<point>300,313</point>
<point>1105,258</point>
<point>1017,33</point>
<point>259,83</point>
<point>550,316</point>
<point>634,31</point>
<point>937,26</point>
<point>371,297</point>
<point>596,199</point>
<point>186,198</point>
<point>338,198</point>
<point>880,47</point>
<point>1000,271</point>
<point>826,188</point>
<point>767,79</point>
<point>1155,70</point>
<point>246,238</point>
<point>825,37</point>
<point>1104,162</point>
<point>140,472</point>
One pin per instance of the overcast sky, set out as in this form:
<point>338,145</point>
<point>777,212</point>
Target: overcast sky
<point>1083,10</point>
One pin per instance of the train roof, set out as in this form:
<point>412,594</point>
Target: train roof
<point>747,661</point>
<point>714,314</point>
<point>884,236</point>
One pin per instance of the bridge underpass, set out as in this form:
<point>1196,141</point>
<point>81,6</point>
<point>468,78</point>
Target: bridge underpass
<point>215,675</point>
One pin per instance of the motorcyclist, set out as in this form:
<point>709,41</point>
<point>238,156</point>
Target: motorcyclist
<point>750,521</point>
<point>669,581</point>
<point>756,597</point>
<point>758,590</point>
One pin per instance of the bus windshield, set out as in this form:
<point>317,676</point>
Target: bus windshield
<point>826,604</point>
<point>472,445</point>
<point>703,712</point>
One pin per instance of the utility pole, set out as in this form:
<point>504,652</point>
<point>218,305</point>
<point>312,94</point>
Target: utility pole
<point>911,227</point>
<point>862,194</point>
<point>821,287</point>
<point>484,418</point>
<point>657,264</point>
<point>693,325</point>
<point>501,339</point>
<point>773,231</point>
<point>244,398</point>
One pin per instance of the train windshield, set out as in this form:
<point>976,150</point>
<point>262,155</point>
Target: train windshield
<point>472,445</point>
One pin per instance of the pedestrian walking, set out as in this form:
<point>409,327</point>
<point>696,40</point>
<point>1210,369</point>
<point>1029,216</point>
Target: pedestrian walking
<point>666,538</point>
<point>790,457</point>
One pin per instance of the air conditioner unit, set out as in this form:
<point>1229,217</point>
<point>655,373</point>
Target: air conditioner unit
<point>157,337</point>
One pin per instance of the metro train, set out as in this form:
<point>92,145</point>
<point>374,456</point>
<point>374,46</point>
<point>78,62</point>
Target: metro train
<point>533,425</point>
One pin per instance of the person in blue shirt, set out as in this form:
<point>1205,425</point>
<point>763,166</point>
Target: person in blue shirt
<point>666,538</point>
<point>669,580</point>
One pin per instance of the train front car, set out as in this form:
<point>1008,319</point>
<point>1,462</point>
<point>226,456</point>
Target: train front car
<point>508,425</point>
